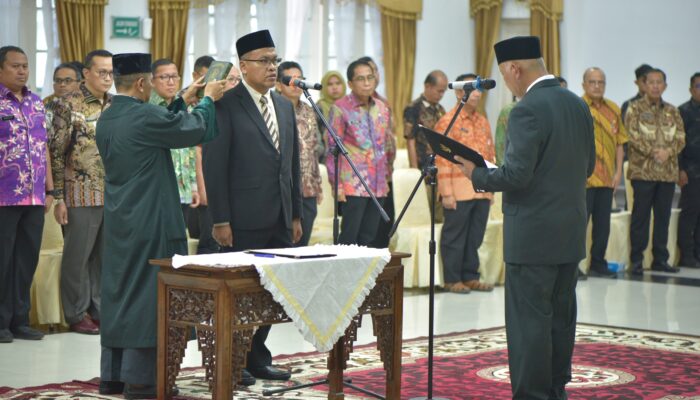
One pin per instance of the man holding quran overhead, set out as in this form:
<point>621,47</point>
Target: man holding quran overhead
<point>549,155</point>
<point>142,215</point>
<point>252,173</point>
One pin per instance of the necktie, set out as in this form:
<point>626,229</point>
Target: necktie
<point>267,116</point>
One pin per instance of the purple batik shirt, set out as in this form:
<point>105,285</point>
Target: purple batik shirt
<point>22,149</point>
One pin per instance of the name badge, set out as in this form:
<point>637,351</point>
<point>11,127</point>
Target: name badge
<point>8,117</point>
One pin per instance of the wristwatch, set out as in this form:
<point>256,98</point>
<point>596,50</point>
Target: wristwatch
<point>51,193</point>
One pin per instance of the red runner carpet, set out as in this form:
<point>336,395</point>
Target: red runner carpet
<point>609,363</point>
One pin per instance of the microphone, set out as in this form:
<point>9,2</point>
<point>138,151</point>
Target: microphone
<point>478,84</point>
<point>293,82</point>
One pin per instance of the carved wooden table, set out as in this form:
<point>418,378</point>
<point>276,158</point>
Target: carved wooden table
<point>225,306</point>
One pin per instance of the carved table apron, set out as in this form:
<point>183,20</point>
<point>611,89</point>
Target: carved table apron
<point>226,305</point>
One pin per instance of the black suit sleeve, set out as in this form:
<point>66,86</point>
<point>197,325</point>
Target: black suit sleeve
<point>520,160</point>
<point>296,172</point>
<point>591,144</point>
<point>215,165</point>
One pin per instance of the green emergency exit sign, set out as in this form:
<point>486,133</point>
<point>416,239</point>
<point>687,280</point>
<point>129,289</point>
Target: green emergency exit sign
<point>126,27</point>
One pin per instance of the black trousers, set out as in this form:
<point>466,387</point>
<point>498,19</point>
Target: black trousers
<point>207,244</point>
<point>360,221</point>
<point>307,223</point>
<point>599,206</point>
<point>277,236</point>
<point>648,196</point>
<point>21,228</point>
<point>462,234</point>
<point>689,220</point>
<point>381,240</point>
<point>540,328</point>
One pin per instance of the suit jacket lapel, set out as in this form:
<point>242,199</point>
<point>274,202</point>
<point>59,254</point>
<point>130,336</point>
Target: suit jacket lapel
<point>252,110</point>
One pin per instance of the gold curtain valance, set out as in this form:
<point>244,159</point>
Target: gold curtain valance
<point>87,2</point>
<point>552,9</point>
<point>403,9</point>
<point>478,5</point>
<point>205,3</point>
<point>168,4</point>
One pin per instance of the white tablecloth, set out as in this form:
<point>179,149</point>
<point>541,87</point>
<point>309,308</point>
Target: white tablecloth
<point>320,295</point>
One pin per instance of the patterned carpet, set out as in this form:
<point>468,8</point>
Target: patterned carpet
<point>609,363</point>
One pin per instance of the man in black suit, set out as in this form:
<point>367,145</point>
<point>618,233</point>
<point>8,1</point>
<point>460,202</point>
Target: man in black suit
<point>252,173</point>
<point>549,155</point>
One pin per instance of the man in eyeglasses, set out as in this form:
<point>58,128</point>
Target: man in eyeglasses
<point>363,124</point>
<point>252,173</point>
<point>78,176</point>
<point>166,83</point>
<point>66,79</point>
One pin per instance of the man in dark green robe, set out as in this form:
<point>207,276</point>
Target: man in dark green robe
<point>550,152</point>
<point>142,215</point>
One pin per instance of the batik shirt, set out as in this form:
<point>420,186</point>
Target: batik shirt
<point>473,131</point>
<point>652,126</point>
<point>183,161</point>
<point>501,129</point>
<point>78,173</point>
<point>365,133</point>
<point>22,149</point>
<point>422,112</point>
<point>609,133</point>
<point>308,141</point>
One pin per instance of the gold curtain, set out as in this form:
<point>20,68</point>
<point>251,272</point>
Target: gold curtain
<point>487,18</point>
<point>545,16</point>
<point>169,30</point>
<point>80,27</point>
<point>399,46</point>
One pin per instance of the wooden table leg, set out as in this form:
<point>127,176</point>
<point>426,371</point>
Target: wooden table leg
<point>223,388</point>
<point>336,363</point>
<point>161,365</point>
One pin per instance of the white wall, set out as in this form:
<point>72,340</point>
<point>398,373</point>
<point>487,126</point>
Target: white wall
<point>445,41</point>
<point>619,35</point>
<point>125,8</point>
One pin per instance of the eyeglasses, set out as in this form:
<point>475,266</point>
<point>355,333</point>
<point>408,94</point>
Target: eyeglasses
<point>266,61</point>
<point>596,83</point>
<point>104,74</point>
<point>233,79</point>
<point>363,79</point>
<point>65,81</point>
<point>167,78</point>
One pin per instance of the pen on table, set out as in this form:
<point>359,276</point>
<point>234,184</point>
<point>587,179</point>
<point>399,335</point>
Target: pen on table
<point>264,255</point>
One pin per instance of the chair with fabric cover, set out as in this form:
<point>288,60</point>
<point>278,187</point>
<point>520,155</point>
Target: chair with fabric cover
<point>401,159</point>
<point>323,224</point>
<point>45,293</point>
<point>413,235</point>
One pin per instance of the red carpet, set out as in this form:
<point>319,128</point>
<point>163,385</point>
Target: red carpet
<point>609,363</point>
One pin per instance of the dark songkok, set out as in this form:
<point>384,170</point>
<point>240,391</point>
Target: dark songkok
<point>131,63</point>
<point>518,48</point>
<point>253,41</point>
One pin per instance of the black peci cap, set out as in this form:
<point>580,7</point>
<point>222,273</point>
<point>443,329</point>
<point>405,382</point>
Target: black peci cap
<point>131,63</point>
<point>518,48</point>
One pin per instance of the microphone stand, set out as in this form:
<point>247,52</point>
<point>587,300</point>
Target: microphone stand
<point>339,149</point>
<point>429,171</point>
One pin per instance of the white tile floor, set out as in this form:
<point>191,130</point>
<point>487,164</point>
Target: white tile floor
<point>644,305</point>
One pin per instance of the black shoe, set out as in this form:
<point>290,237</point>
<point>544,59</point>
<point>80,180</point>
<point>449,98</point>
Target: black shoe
<point>111,387</point>
<point>689,263</point>
<point>602,273</point>
<point>664,267</point>
<point>637,269</point>
<point>140,391</point>
<point>270,373</point>
<point>581,275</point>
<point>246,379</point>
<point>27,333</point>
<point>6,336</point>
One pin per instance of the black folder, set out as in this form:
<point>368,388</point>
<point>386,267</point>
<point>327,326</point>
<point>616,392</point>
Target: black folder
<point>448,148</point>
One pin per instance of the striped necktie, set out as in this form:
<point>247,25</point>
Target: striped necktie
<point>267,116</point>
